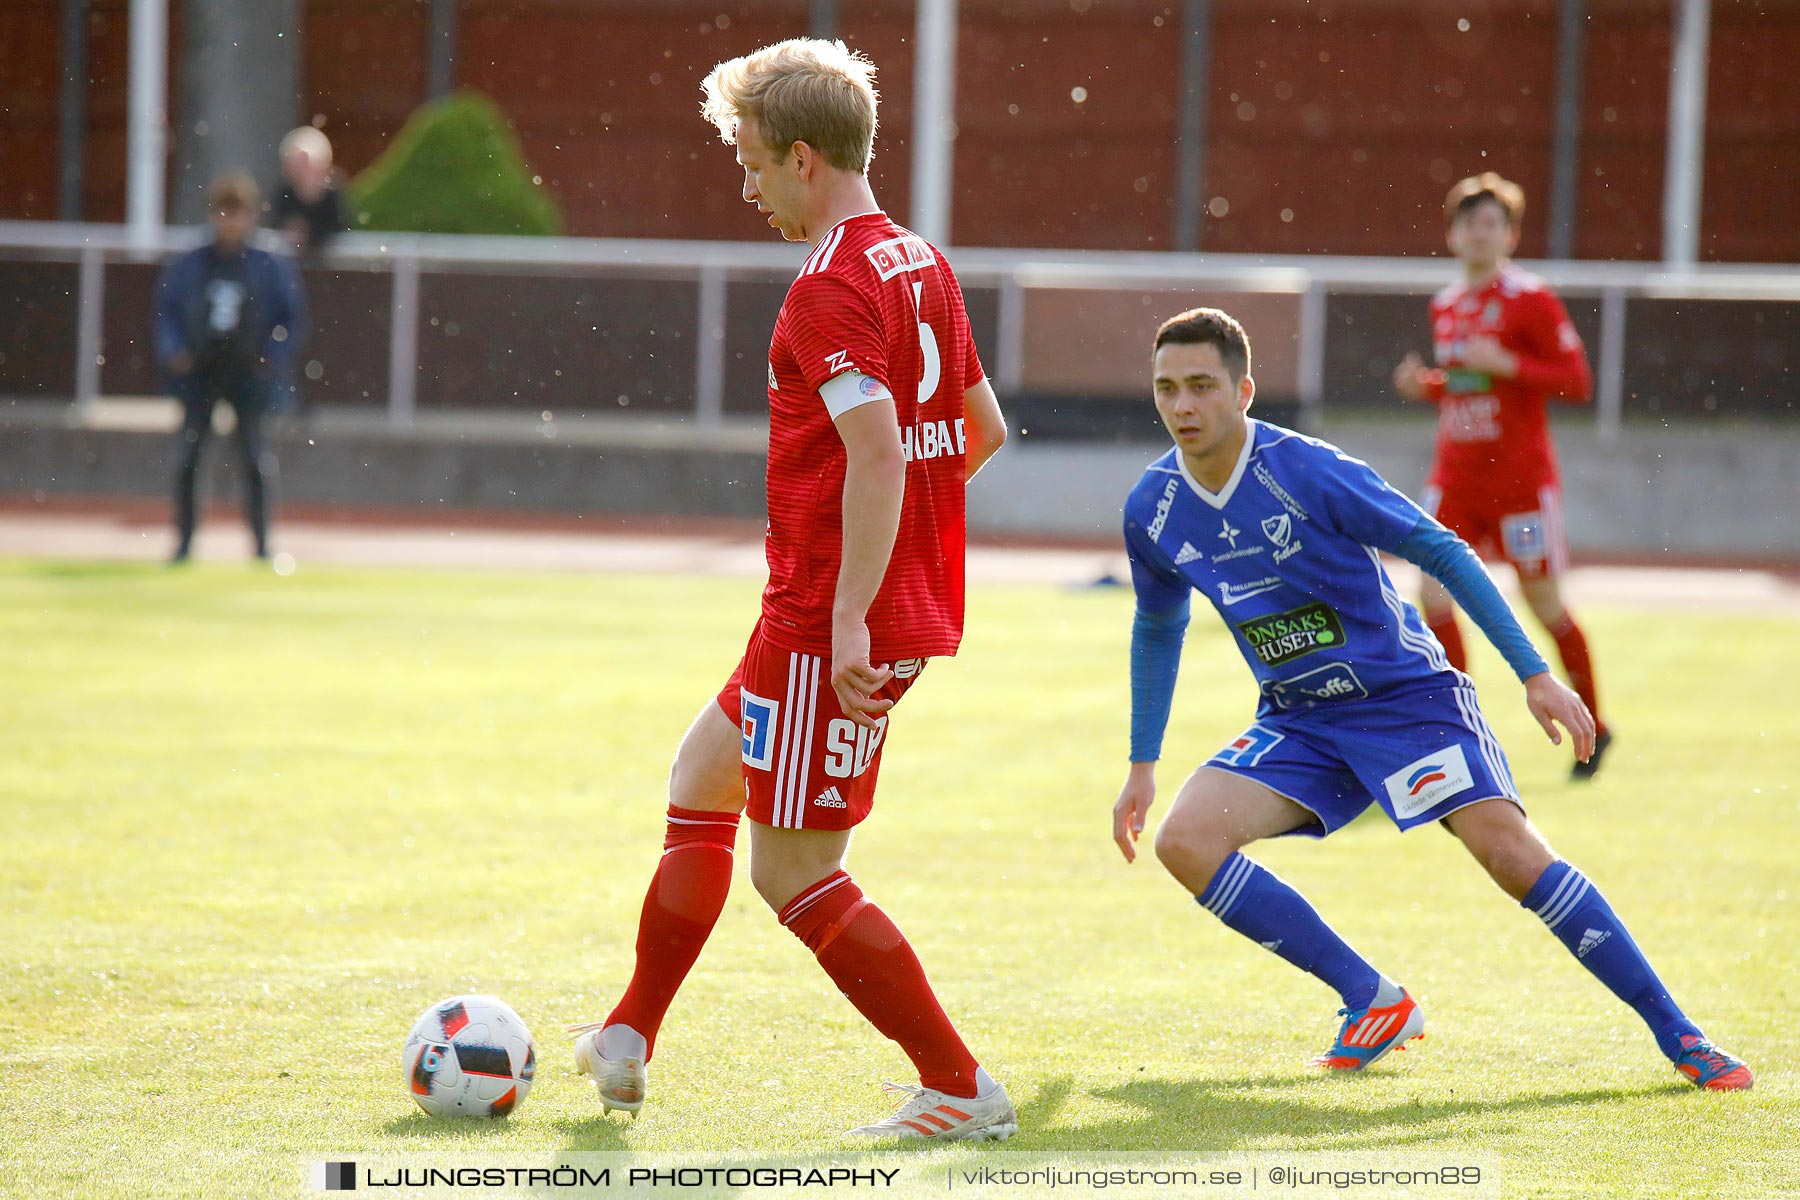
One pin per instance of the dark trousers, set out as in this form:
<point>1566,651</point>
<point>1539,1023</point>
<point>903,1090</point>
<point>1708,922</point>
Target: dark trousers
<point>246,393</point>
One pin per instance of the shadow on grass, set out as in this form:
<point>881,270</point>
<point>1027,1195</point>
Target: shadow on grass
<point>1234,1114</point>
<point>423,1125</point>
<point>99,572</point>
<point>599,1132</point>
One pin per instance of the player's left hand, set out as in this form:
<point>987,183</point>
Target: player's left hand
<point>853,678</point>
<point>1484,352</point>
<point>1553,703</point>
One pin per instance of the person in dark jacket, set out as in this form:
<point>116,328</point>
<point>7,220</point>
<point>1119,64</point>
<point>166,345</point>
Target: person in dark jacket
<point>226,316</point>
<point>309,208</point>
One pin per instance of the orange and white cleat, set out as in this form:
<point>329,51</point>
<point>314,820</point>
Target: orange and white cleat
<point>1706,1066</point>
<point>932,1114</point>
<point>1392,1019</point>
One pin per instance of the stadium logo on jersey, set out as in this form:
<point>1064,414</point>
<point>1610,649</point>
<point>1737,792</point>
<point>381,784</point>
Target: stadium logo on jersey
<point>1419,785</point>
<point>909,252</point>
<point>1333,681</point>
<point>1249,748</point>
<point>1286,636</point>
<point>1162,509</point>
<point>759,729</point>
<point>1264,477</point>
<point>1188,554</point>
<point>1231,593</point>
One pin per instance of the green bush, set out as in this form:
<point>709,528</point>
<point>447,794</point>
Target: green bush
<point>455,168</point>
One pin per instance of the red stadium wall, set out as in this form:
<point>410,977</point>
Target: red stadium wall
<point>1333,126</point>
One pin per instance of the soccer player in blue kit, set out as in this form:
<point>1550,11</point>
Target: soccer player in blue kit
<point>1282,533</point>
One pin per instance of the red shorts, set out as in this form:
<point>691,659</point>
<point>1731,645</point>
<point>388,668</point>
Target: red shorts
<point>806,765</point>
<point>1524,529</point>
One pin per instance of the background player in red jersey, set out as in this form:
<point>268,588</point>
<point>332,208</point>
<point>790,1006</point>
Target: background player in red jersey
<point>1504,346</point>
<point>878,415</point>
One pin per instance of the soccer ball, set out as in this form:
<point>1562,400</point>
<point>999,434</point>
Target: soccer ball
<point>469,1056</point>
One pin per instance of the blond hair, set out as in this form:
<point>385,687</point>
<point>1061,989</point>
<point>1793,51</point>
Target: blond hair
<point>801,90</point>
<point>1485,186</point>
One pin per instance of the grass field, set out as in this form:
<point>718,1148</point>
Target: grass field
<point>254,825</point>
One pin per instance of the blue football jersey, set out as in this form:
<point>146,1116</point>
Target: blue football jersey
<point>1287,554</point>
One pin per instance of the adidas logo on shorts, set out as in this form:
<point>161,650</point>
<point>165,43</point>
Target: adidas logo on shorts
<point>829,798</point>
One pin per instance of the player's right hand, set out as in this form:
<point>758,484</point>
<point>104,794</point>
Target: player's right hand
<point>1407,377</point>
<point>1132,807</point>
<point>853,678</point>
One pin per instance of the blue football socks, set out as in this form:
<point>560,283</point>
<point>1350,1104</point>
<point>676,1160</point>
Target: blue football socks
<point>1583,921</point>
<point>1260,905</point>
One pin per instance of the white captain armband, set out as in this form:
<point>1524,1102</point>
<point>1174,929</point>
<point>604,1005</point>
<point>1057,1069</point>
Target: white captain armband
<point>852,389</point>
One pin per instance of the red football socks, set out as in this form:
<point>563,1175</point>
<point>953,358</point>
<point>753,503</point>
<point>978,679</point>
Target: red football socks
<point>873,965</point>
<point>1573,649</point>
<point>685,898</point>
<point>1450,634</point>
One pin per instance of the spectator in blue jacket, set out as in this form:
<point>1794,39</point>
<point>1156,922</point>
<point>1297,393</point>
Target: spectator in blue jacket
<point>226,317</point>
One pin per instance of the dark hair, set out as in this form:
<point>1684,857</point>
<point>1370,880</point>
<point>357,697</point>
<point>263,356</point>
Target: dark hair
<point>1208,326</point>
<point>234,191</point>
<point>1485,188</point>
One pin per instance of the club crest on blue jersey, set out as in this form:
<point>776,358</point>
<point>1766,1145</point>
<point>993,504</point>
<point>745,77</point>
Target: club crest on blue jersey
<point>1278,529</point>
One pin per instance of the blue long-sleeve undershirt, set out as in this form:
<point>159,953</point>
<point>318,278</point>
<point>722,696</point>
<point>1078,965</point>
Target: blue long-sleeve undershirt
<point>1155,659</point>
<point>1448,559</point>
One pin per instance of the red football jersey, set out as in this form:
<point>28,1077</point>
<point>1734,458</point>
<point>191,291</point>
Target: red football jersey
<point>877,300</point>
<point>1494,434</point>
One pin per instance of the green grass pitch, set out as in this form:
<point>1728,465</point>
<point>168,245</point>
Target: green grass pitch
<point>254,825</point>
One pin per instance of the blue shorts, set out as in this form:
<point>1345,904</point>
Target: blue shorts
<point>1421,754</point>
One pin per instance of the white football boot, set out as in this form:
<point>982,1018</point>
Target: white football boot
<point>622,1082</point>
<point>932,1114</point>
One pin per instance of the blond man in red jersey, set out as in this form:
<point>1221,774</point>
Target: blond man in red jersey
<point>1504,347</point>
<point>879,413</point>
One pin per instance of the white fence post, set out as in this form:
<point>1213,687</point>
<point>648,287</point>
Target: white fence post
<point>403,343</point>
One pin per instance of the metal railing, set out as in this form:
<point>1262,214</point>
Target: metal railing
<point>1013,273</point>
